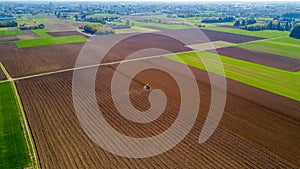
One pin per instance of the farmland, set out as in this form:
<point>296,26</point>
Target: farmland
<point>48,118</point>
<point>14,153</point>
<point>10,32</point>
<point>42,33</point>
<point>49,41</point>
<point>286,47</point>
<point>160,25</point>
<point>261,34</point>
<point>271,60</point>
<point>71,135</point>
<point>262,77</point>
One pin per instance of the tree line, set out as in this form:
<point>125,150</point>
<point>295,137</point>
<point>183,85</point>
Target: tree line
<point>218,19</point>
<point>270,25</point>
<point>8,24</point>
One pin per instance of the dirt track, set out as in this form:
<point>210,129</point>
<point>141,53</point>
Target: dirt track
<point>276,61</point>
<point>62,143</point>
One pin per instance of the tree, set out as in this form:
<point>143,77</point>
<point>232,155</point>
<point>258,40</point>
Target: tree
<point>243,23</point>
<point>295,33</point>
<point>92,28</point>
<point>237,23</point>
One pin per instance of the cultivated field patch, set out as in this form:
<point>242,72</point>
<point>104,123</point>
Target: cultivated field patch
<point>276,61</point>
<point>286,47</point>
<point>67,33</point>
<point>261,34</point>
<point>14,153</point>
<point>10,32</point>
<point>34,60</point>
<point>49,41</point>
<point>160,25</point>
<point>62,143</point>
<point>278,81</point>
<point>42,33</point>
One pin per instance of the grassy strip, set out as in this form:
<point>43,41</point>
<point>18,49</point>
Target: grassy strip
<point>287,47</point>
<point>14,153</point>
<point>28,136</point>
<point>10,32</point>
<point>31,154</point>
<point>42,33</point>
<point>49,41</point>
<point>260,34</point>
<point>274,80</point>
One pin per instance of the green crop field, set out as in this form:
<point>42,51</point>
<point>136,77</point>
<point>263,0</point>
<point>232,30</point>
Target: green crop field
<point>10,32</point>
<point>261,34</point>
<point>287,47</point>
<point>160,25</point>
<point>50,41</point>
<point>14,153</point>
<point>278,81</point>
<point>42,33</point>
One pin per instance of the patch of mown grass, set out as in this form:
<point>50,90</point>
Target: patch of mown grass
<point>14,153</point>
<point>42,33</point>
<point>10,32</point>
<point>50,41</point>
<point>286,47</point>
<point>274,80</point>
<point>261,34</point>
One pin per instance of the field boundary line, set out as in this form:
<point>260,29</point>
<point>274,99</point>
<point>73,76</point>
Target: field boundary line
<point>24,123</point>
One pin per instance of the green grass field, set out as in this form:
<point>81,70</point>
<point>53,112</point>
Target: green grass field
<point>274,80</point>
<point>261,34</point>
<point>14,153</point>
<point>42,33</point>
<point>286,46</point>
<point>29,19</point>
<point>50,41</point>
<point>10,32</point>
<point>160,25</point>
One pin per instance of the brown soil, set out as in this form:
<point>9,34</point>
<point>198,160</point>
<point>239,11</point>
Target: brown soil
<point>8,38</point>
<point>250,134</point>
<point>189,35</point>
<point>61,27</point>
<point>68,33</point>
<point>232,38</point>
<point>35,60</point>
<point>29,32</point>
<point>276,61</point>
<point>2,75</point>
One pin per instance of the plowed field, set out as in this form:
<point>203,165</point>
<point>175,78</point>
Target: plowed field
<point>276,61</point>
<point>256,130</point>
